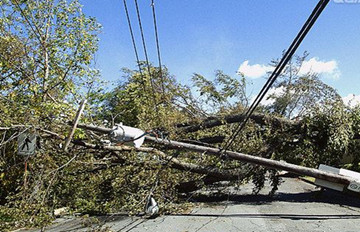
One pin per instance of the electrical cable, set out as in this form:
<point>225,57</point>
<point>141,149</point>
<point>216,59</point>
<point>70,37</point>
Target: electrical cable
<point>147,60</point>
<point>305,26</point>
<point>158,46</point>
<point>145,52</point>
<point>133,41</point>
<point>144,45</point>
<point>282,64</point>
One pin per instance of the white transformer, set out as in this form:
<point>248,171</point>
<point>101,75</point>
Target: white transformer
<point>126,135</point>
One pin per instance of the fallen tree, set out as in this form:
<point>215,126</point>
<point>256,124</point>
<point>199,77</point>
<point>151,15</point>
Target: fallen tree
<point>212,174</point>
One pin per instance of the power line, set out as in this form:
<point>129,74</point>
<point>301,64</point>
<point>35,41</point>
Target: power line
<point>304,29</point>
<point>309,23</point>
<point>144,47</point>
<point>145,52</point>
<point>141,32</point>
<point>132,35</point>
<point>134,46</point>
<point>147,59</point>
<point>282,64</point>
<point>144,43</point>
<point>158,46</point>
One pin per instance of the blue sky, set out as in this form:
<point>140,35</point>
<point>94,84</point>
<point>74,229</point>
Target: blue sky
<point>205,35</point>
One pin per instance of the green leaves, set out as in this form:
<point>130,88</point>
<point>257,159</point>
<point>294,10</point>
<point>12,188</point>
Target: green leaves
<point>46,65</point>
<point>225,92</point>
<point>52,46</point>
<point>298,94</point>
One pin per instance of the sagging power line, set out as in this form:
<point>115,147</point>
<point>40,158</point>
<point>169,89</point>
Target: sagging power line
<point>280,67</point>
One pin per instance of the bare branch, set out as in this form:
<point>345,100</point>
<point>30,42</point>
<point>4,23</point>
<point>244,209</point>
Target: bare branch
<point>76,121</point>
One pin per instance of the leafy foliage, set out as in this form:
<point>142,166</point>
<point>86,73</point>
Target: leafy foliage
<point>46,52</point>
<point>298,94</point>
<point>223,94</point>
<point>46,68</point>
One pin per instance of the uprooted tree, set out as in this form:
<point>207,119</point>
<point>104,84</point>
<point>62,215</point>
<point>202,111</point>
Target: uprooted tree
<point>46,70</point>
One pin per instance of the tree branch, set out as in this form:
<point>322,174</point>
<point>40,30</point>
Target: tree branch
<point>173,162</point>
<point>261,119</point>
<point>76,121</point>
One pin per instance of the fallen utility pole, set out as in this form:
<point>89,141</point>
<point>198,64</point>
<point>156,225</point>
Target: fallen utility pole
<point>269,163</point>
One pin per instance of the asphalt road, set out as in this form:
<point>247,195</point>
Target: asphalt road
<point>297,206</point>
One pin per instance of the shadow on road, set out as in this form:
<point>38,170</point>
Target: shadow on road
<point>275,216</point>
<point>325,196</point>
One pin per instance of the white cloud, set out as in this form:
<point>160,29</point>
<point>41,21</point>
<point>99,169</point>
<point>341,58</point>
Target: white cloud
<point>328,68</point>
<point>276,92</point>
<point>272,92</point>
<point>351,100</point>
<point>315,65</point>
<point>254,71</point>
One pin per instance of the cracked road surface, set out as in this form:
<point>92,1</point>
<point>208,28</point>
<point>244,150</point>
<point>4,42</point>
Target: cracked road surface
<point>297,206</point>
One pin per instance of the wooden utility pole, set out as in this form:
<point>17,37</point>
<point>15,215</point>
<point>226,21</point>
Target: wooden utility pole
<point>269,163</point>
